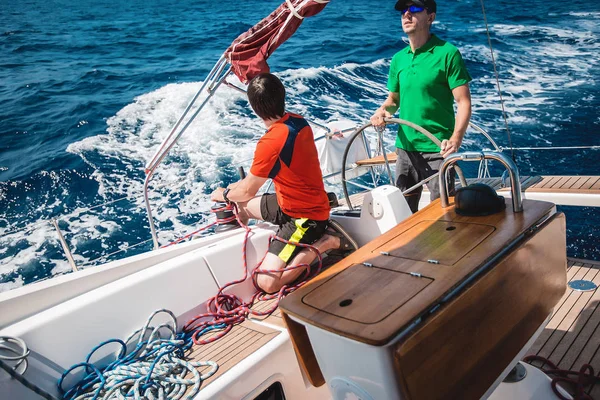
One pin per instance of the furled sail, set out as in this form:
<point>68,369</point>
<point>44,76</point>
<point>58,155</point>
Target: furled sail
<point>249,52</point>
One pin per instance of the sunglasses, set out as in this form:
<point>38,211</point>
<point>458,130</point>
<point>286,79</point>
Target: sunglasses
<point>412,9</point>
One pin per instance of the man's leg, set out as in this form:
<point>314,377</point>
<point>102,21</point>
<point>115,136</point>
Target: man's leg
<point>434,162</point>
<point>272,282</point>
<point>406,177</point>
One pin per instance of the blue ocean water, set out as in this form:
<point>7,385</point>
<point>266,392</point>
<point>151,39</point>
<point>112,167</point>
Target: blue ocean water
<point>89,89</point>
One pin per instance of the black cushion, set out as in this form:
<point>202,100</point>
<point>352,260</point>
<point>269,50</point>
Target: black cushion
<point>478,199</point>
<point>333,200</point>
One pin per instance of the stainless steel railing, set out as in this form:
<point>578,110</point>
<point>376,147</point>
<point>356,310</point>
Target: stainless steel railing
<point>515,182</point>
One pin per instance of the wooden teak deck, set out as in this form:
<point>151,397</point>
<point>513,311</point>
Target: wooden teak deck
<point>572,337</point>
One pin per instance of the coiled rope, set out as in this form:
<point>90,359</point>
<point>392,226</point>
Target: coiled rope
<point>18,353</point>
<point>227,310</point>
<point>154,369</point>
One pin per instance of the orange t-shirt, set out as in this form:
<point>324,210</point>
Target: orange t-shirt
<point>287,154</point>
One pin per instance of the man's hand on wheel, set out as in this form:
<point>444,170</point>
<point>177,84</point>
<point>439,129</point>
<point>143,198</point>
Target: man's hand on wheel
<point>449,146</point>
<point>377,118</point>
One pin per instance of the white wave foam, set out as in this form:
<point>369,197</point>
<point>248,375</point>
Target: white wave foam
<point>587,14</point>
<point>6,286</point>
<point>222,130</point>
<point>36,238</point>
<point>503,30</point>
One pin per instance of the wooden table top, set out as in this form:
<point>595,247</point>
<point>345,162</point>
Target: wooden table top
<point>371,297</point>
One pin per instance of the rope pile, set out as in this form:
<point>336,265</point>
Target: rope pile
<point>227,310</point>
<point>154,369</point>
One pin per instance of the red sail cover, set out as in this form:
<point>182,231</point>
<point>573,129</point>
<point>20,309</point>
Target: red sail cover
<point>249,52</point>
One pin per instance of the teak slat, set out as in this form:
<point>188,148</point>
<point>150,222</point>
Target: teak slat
<point>547,182</point>
<point>392,157</point>
<point>584,182</point>
<point>356,199</point>
<point>569,312</point>
<point>567,184</point>
<point>574,184</point>
<point>274,318</point>
<point>596,185</point>
<point>575,326</point>
<point>239,343</point>
<point>577,320</point>
<point>581,350</point>
<point>563,183</point>
<point>560,181</point>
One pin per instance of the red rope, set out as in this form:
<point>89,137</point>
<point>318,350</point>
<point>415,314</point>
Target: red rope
<point>585,377</point>
<point>217,221</point>
<point>229,310</point>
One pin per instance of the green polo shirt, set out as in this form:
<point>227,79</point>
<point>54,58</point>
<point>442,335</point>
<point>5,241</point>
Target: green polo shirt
<point>425,79</point>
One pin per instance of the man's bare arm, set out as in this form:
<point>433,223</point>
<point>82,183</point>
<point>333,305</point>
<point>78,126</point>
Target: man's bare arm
<point>241,191</point>
<point>462,96</point>
<point>387,109</point>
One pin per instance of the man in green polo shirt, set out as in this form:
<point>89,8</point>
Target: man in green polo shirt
<point>425,80</point>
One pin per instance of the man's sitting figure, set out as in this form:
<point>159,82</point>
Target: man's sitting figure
<point>286,153</point>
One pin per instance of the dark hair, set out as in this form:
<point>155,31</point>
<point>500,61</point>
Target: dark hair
<point>267,96</point>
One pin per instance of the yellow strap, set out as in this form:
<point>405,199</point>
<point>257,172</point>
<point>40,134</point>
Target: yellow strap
<point>288,250</point>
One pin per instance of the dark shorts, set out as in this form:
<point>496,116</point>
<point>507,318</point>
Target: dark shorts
<point>298,230</point>
<point>412,167</point>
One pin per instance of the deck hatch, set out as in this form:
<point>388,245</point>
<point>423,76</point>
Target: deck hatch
<point>356,293</point>
<point>446,242</point>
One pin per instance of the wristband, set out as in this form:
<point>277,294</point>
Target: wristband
<point>225,192</point>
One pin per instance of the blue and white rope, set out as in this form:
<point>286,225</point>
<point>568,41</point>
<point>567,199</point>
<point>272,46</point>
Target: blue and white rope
<point>155,369</point>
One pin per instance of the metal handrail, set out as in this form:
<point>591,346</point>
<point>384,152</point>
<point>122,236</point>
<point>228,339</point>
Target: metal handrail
<point>65,246</point>
<point>515,182</point>
<point>487,135</point>
<point>159,154</point>
<point>215,78</point>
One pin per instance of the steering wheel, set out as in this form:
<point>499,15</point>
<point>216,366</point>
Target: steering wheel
<point>387,121</point>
